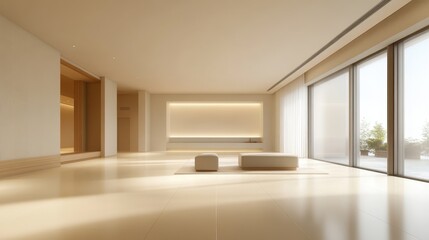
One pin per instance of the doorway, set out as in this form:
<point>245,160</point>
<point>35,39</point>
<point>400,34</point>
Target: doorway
<point>80,105</point>
<point>124,135</point>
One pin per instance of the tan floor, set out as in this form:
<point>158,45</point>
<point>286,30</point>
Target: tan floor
<point>138,196</point>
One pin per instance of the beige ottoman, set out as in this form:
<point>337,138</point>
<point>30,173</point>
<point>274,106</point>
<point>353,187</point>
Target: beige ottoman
<point>207,162</point>
<point>267,161</point>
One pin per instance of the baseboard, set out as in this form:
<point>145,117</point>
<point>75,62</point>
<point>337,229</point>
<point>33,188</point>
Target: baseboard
<point>69,158</point>
<point>19,166</point>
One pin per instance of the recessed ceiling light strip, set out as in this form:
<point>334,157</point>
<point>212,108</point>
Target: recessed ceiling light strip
<point>338,37</point>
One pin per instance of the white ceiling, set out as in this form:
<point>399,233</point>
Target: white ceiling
<point>192,46</point>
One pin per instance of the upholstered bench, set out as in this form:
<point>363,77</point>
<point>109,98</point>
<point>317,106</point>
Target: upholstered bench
<point>267,161</point>
<point>207,162</point>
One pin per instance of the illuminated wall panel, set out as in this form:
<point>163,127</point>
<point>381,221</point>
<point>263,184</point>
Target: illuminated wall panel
<point>214,119</point>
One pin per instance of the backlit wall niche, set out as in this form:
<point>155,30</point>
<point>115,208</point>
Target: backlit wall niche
<point>214,120</point>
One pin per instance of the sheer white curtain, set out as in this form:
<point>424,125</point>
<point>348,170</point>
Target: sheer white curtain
<point>292,110</point>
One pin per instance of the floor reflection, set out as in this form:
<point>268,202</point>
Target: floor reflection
<point>138,196</point>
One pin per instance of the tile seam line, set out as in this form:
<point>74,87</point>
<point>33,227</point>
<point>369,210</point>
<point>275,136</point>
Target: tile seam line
<point>387,223</point>
<point>284,212</point>
<point>160,214</point>
<point>217,214</point>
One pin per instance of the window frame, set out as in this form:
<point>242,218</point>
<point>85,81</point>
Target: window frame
<point>395,109</point>
<point>399,169</point>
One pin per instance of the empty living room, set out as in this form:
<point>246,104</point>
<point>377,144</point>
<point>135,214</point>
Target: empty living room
<point>214,120</point>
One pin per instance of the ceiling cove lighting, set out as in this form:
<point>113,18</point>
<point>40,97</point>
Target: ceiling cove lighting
<point>373,10</point>
<point>215,136</point>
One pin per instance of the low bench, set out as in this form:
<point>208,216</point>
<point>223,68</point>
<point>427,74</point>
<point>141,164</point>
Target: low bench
<point>267,161</point>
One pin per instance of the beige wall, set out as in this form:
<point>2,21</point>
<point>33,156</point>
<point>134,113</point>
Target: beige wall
<point>128,107</point>
<point>93,117</point>
<point>67,114</point>
<point>158,103</point>
<point>135,107</point>
<point>215,120</point>
<point>67,87</point>
<point>67,126</point>
<point>29,95</point>
<point>109,117</point>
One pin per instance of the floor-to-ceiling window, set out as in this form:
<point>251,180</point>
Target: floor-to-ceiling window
<point>371,120</point>
<point>414,79</point>
<point>378,117</point>
<point>330,118</point>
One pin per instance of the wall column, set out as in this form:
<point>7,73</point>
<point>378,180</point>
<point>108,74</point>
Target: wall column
<point>108,117</point>
<point>143,121</point>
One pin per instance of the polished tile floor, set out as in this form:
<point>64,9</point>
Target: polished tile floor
<point>139,196</point>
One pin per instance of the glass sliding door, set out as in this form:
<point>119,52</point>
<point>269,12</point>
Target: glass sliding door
<point>330,118</point>
<point>414,79</point>
<point>371,84</point>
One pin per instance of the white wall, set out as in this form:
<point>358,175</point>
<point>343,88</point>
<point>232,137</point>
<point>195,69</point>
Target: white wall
<point>29,95</point>
<point>158,116</point>
<point>108,117</point>
<point>291,116</point>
